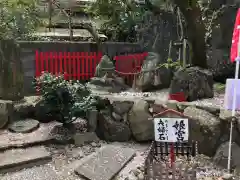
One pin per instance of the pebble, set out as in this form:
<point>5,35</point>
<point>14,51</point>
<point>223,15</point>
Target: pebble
<point>93,144</point>
<point>136,172</point>
<point>141,176</point>
<point>227,177</point>
<point>77,153</point>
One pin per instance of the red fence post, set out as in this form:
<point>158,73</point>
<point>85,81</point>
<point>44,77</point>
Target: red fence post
<point>74,66</point>
<point>78,66</point>
<point>56,71</point>
<point>37,71</point>
<point>51,61</point>
<point>82,66</point>
<point>45,58</point>
<point>60,56</point>
<point>64,64</point>
<point>89,65</point>
<point>69,66</point>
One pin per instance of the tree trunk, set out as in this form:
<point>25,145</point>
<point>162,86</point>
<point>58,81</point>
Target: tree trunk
<point>195,31</point>
<point>195,28</point>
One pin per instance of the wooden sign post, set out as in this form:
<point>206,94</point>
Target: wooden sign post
<point>171,126</point>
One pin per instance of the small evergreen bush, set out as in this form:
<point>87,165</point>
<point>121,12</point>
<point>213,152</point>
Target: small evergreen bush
<point>67,100</point>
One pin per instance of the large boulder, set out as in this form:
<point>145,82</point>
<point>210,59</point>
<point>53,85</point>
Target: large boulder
<point>111,130</point>
<point>221,156</point>
<point>204,128</point>
<point>150,80</point>
<point>138,117</point>
<point>122,107</point>
<point>194,82</point>
<point>11,74</point>
<point>26,107</point>
<point>44,112</point>
<point>225,117</point>
<point>220,41</point>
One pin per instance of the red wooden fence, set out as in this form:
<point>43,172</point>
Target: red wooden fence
<point>75,65</point>
<point>82,65</point>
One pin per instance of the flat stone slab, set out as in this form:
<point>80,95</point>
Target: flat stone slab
<point>16,159</point>
<point>11,140</point>
<point>106,163</point>
<point>24,126</point>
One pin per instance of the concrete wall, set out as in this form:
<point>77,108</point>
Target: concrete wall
<point>28,49</point>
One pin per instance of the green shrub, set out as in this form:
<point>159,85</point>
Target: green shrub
<point>67,99</point>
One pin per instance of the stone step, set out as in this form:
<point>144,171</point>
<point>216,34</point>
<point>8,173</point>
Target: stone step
<point>16,159</point>
<point>9,140</point>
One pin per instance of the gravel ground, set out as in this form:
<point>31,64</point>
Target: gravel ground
<point>65,158</point>
<point>160,96</point>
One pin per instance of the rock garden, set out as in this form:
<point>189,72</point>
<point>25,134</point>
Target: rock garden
<point>70,130</point>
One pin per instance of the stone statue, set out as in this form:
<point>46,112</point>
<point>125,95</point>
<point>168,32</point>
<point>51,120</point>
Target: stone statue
<point>105,68</point>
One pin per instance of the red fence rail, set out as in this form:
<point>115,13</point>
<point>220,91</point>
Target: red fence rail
<point>82,65</point>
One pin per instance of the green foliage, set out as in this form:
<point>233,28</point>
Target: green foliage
<point>218,87</point>
<point>119,18</point>
<point>170,64</point>
<point>19,18</point>
<point>66,99</point>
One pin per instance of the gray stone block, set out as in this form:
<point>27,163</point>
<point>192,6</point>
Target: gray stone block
<point>106,163</point>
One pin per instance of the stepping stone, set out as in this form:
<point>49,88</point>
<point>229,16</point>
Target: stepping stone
<point>106,163</point>
<point>24,126</point>
<point>10,140</point>
<point>16,159</point>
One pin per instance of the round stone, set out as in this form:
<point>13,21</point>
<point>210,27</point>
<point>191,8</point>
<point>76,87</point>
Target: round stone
<point>24,126</point>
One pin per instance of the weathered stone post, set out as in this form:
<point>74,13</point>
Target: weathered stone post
<point>11,73</point>
<point>92,116</point>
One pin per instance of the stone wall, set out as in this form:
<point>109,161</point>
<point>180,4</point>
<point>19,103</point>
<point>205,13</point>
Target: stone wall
<point>125,118</point>
<point>28,54</point>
